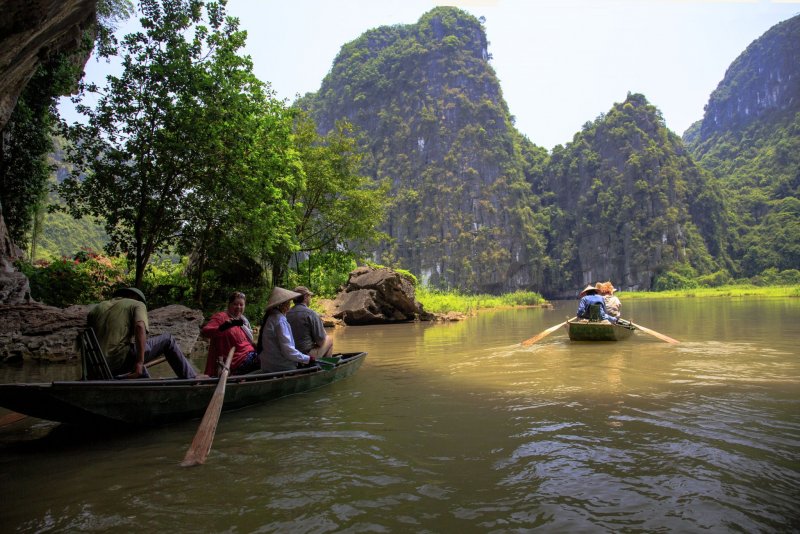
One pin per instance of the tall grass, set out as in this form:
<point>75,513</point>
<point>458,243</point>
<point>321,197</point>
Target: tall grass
<point>436,301</point>
<point>739,290</point>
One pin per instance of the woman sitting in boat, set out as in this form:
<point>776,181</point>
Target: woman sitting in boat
<point>231,329</point>
<point>589,297</point>
<point>606,290</point>
<point>276,348</point>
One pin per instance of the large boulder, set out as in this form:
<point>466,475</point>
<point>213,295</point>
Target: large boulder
<point>374,296</point>
<point>41,332</point>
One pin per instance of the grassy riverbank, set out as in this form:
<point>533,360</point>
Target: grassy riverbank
<point>744,290</point>
<point>435,301</point>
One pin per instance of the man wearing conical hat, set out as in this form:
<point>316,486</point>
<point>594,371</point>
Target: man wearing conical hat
<point>588,297</point>
<point>276,348</point>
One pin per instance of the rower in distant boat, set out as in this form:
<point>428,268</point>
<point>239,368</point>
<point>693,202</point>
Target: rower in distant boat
<point>592,306</point>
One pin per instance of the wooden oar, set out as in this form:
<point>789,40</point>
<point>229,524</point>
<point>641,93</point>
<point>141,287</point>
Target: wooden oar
<point>530,341</point>
<point>653,333</point>
<point>201,444</point>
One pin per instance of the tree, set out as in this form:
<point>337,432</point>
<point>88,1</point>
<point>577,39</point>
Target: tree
<point>244,159</point>
<point>155,149</point>
<point>335,207</point>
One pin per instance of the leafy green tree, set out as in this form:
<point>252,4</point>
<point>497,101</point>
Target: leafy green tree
<point>153,149</point>
<point>335,208</point>
<point>242,162</point>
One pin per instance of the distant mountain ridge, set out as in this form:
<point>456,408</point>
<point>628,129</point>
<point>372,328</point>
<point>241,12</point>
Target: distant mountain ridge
<point>478,207</point>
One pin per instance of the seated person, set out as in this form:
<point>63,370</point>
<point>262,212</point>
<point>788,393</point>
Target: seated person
<point>606,290</point>
<point>231,329</point>
<point>307,328</point>
<point>121,326</point>
<point>276,348</point>
<point>589,297</point>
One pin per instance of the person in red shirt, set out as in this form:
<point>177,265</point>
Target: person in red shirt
<point>230,328</point>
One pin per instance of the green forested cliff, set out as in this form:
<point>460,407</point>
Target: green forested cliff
<point>477,206</point>
<point>627,203</point>
<point>436,126</point>
<point>749,138</point>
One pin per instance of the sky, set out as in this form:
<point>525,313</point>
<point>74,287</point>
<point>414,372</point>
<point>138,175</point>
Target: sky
<point>560,63</point>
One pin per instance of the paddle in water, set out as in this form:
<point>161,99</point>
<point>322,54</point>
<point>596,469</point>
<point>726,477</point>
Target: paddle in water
<point>653,333</point>
<point>201,444</point>
<point>530,341</point>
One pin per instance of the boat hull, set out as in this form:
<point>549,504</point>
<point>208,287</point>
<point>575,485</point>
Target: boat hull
<point>160,401</point>
<point>583,330</point>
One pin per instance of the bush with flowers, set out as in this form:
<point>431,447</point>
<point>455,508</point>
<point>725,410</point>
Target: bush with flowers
<point>85,278</point>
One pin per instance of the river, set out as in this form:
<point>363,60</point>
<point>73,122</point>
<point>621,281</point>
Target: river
<point>456,427</point>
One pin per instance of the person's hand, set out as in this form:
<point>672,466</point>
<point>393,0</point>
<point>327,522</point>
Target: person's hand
<point>138,372</point>
<point>230,324</point>
<point>311,360</point>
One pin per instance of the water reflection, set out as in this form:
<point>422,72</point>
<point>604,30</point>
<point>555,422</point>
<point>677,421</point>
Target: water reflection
<point>458,427</point>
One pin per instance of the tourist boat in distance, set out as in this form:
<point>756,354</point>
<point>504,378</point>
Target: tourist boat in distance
<point>585,330</point>
<point>148,402</point>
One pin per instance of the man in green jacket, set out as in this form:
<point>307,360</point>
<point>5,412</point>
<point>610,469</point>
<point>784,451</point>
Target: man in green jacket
<point>121,327</point>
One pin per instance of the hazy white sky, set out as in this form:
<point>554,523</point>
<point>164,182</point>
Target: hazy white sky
<point>560,62</point>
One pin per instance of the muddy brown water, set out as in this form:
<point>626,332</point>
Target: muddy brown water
<point>457,427</point>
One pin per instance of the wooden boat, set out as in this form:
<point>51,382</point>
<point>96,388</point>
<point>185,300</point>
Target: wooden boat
<point>586,330</point>
<point>158,401</point>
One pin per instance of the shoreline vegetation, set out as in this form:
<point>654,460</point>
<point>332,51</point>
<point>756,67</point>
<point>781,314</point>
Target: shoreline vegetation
<point>436,301</point>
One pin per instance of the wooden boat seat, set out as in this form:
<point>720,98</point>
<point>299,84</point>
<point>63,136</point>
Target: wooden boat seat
<point>94,365</point>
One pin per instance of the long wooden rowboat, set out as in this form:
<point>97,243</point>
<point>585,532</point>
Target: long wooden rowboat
<point>157,401</point>
<point>585,330</point>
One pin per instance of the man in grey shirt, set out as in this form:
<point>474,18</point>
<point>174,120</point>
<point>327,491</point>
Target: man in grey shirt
<point>307,329</point>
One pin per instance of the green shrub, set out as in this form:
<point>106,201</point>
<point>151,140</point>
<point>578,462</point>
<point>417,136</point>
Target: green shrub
<point>717,279</point>
<point>773,277</point>
<point>88,277</point>
<point>672,280</point>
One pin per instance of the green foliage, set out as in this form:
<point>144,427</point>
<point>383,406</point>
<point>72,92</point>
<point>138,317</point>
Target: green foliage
<point>715,279</point>
<point>435,127</point>
<point>334,208</point>
<point>439,301</point>
<point>774,277</point>
<point>672,280</point>
<point>24,169</point>
<point>88,277</point>
<point>184,147</point>
<point>324,273</point>
<point>755,155</point>
<point>627,202</point>
<point>405,273</point>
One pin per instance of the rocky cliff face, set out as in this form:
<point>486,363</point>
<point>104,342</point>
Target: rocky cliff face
<point>622,197</point>
<point>437,127</point>
<point>764,78</point>
<point>749,139</point>
<point>32,30</point>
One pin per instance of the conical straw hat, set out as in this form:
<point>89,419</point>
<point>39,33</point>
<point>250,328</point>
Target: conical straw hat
<point>279,296</point>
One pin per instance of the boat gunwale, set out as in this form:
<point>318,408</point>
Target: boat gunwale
<point>347,358</point>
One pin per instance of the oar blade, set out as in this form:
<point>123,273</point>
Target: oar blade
<point>201,444</point>
<point>653,333</point>
<point>541,335</point>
